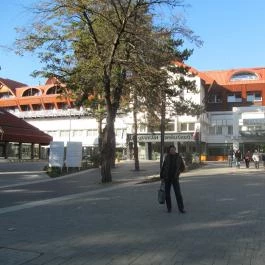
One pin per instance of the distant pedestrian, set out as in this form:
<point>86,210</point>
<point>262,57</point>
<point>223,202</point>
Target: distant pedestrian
<point>230,157</point>
<point>263,159</point>
<point>256,158</point>
<point>247,158</point>
<point>238,158</point>
<point>172,166</point>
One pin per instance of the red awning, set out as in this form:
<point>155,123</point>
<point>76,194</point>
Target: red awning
<point>14,129</point>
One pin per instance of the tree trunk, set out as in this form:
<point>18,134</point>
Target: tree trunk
<point>99,135</point>
<point>113,155</point>
<point>107,152</point>
<point>163,110</point>
<point>135,143</point>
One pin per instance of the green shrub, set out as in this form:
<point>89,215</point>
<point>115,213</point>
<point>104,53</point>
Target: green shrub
<point>95,160</point>
<point>118,155</point>
<point>54,172</point>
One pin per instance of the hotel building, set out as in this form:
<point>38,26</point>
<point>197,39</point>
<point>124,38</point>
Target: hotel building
<point>234,103</point>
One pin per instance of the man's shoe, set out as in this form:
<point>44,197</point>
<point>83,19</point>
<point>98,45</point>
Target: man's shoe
<point>169,210</point>
<point>182,211</point>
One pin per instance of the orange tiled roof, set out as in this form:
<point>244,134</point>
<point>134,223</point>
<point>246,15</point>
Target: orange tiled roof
<point>222,77</point>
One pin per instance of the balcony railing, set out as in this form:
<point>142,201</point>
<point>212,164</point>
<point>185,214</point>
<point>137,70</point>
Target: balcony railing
<point>49,113</point>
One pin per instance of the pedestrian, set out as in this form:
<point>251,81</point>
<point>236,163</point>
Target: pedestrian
<point>256,159</point>
<point>238,158</point>
<point>247,158</point>
<point>230,157</point>
<point>263,159</point>
<point>172,166</point>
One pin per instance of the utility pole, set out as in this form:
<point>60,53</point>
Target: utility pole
<point>162,124</point>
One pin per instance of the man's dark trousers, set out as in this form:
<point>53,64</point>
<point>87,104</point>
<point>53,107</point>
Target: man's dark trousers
<point>175,183</point>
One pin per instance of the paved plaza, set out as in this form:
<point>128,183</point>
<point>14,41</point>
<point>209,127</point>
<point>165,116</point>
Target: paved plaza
<point>122,223</point>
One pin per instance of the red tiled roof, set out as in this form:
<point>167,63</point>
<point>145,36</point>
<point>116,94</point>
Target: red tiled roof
<point>13,129</point>
<point>207,78</point>
<point>222,77</point>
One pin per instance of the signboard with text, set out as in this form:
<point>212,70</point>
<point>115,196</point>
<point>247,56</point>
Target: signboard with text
<point>169,137</point>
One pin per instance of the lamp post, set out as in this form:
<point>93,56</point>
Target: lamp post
<point>70,125</point>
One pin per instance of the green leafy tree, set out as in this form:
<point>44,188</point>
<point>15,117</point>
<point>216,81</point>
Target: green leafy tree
<point>91,45</point>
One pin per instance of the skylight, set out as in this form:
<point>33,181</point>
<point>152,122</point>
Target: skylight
<point>241,76</point>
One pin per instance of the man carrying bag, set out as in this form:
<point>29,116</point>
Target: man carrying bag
<point>172,166</point>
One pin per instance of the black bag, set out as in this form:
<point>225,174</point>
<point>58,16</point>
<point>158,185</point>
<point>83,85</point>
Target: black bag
<point>161,195</point>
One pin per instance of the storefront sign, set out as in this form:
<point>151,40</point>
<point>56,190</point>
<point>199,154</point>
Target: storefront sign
<point>253,121</point>
<point>172,137</point>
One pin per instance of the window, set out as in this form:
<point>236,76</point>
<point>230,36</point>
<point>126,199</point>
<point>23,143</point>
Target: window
<point>191,126</point>
<point>216,130</point>
<point>77,133</point>
<point>219,130</point>
<point>54,90</point>
<point>187,127</point>
<point>184,127</point>
<point>170,126</point>
<point>64,133</point>
<point>212,130</point>
<point>25,107</point>
<point>244,76</point>
<point>230,130</point>
<point>31,92</point>
<point>92,132</point>
<point>215,98</point>
<point>253,96</point>
<point>6,95</point>
<point>119,133</point>
<point>234,97</point>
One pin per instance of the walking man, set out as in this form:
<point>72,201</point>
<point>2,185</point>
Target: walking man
<point>238,158</point>
<point>230,157</point>
<point>255,158</point>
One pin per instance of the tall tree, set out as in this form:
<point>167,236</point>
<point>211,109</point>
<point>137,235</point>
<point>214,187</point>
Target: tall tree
<point>106,38</point>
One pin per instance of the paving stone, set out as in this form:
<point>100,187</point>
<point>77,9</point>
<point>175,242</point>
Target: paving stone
<point>15,257</point>
<point>124,224</point>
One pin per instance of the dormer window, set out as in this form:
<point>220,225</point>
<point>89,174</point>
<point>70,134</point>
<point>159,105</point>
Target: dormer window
<point>244,76</point>
<point>31,92</point>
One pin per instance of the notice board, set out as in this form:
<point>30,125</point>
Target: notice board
<point>73,154</point>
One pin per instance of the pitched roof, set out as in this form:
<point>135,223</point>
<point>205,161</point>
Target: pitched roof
<point>14,129</point>
<point>11,84</point>
<point>222,77</point>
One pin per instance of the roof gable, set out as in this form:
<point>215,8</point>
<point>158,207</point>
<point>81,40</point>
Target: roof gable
<point>11,84</point>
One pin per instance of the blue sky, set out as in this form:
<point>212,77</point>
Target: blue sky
<point>233,32</point>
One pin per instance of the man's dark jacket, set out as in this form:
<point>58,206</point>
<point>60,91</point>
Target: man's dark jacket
<point>172,166</point>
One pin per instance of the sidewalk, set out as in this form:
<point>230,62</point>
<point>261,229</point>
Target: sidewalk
<point>123,224</point>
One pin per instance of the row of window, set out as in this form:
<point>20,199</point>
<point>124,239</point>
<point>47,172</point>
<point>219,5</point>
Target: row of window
<point>34,92</point>
<point>235,97</point>
<point>185,127</point>
<point>83,133</point>
<point>221,130</point>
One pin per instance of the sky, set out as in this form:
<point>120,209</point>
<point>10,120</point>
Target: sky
<point>232,31</point>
